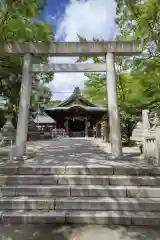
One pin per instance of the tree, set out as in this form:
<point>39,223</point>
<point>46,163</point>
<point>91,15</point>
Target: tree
<point>94,88</point>
<point>128,98</point>
<point>41,96</point>
<point>132,93</point>
<point>137,19</point>
<point>141,20</point>
<point>138,78</point>
<point>17,24</point>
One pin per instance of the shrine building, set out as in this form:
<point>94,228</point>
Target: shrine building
<point>78,116</point>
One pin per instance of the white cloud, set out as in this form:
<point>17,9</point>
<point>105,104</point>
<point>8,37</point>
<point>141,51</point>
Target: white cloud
<point>88,18</point>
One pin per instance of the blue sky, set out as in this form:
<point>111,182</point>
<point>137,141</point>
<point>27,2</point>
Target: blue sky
<point>54,10</point>
<point>88,18</point>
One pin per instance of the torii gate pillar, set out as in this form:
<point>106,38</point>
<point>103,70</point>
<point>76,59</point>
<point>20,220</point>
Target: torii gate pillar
<point>24,103</point>
<point>114,119</point>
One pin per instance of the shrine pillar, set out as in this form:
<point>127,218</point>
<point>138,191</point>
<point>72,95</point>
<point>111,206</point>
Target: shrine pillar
<point>86,127</point>
<point>67,128</point>
<point>96,135</point>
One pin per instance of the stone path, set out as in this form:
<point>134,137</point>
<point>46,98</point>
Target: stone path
<point>76,232</point>
<point>79,151</point>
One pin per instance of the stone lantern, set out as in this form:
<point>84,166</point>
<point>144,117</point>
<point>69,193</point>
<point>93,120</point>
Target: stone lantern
<point>8,132</point>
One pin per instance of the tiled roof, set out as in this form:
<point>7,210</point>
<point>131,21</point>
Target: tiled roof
<point>77,105</point>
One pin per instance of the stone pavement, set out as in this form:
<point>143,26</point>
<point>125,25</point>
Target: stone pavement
<point>80,151</point>
<point>77,232</point>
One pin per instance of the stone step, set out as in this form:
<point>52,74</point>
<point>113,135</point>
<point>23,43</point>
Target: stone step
<point>81,217</point>
<point>35,191</point>
<point>81,203</point>
<point>79,191</point>
<point>114,218</point>
<point>115,191</point>
<point>107,203</point>
<point>51,170</point>
<point>80,180</point>
<point>28,180</point>
<point>12,169</point>
<point>109,180</point>
<point>29,217</point>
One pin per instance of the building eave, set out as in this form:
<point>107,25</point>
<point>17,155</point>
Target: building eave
<point>100,109</point>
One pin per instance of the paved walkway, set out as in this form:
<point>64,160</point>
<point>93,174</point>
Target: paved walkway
<point>79,151</point>
<point>77,232</point>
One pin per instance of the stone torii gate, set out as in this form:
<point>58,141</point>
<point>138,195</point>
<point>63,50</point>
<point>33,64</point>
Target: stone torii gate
<point>107,49</point>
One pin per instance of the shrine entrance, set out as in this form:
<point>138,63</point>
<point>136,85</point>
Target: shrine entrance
<point>76,127</point>
<point>76,115</point>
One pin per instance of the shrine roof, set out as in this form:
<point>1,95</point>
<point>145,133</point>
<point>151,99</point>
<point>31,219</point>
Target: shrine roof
<point>76,100</point>
<point>77,106</point>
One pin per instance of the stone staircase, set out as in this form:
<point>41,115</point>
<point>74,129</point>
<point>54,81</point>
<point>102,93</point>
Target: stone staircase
<point>79,194</point>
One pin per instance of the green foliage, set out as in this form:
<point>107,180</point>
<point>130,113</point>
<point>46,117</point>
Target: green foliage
<point>16,24</point>
<point>94,89</point>
<point>140,20</point>
<point>130,104</point>
<point>148,74</point>
<point>41,95</point>
<point>16,21</point>
<point>138,78</point>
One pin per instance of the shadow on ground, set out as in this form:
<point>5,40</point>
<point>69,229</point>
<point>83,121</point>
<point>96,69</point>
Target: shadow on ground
<point>68,151</point>
<point>76,232</point>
